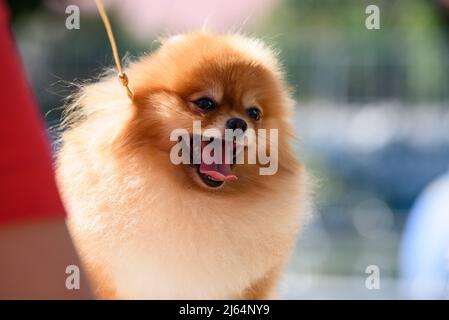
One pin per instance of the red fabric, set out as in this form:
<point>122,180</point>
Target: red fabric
<point>27,184</point>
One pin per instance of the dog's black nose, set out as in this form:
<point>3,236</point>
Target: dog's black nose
<point>236,123</point>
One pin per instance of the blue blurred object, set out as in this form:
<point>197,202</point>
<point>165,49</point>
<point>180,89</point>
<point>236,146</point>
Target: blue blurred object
<point>425,245</point>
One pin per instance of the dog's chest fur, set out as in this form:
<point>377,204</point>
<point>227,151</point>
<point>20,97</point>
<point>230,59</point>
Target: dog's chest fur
<point>153,240</point>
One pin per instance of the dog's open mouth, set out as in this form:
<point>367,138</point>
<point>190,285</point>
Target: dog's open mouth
<point>215,172</point>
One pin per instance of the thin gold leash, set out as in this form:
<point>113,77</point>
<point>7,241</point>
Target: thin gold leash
<point>123,78</point>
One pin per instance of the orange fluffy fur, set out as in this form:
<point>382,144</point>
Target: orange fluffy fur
<point>148,229</point>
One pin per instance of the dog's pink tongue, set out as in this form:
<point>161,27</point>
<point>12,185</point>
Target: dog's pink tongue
<point>221,172</point>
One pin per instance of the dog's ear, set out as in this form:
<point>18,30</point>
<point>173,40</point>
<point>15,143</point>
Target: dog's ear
<point>104,96</point>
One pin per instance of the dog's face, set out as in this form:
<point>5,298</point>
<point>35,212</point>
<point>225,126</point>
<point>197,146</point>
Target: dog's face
<point>226,82</point>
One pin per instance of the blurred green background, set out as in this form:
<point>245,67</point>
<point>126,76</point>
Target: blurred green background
<point>371,108</point>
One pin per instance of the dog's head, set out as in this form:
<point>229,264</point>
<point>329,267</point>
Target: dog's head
<point>218,82</point>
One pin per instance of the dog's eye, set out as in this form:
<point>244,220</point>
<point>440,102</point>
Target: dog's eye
<point>205,104</point>
<point>253,113</point>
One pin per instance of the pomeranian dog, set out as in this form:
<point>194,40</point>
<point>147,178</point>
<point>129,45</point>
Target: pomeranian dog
<point>147,228</point>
